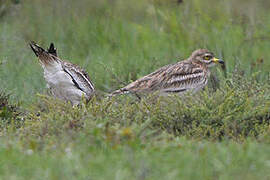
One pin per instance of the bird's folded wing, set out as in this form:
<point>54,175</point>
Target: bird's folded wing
<point>140,84</point>
<point>182,82</point>
<point>171,78</point>
<point>79,77</point>
<point>149,82</point>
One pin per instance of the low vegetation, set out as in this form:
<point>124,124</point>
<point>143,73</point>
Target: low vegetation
<point>9,113</point>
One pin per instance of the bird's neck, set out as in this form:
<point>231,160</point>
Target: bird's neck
<point>200,64</point>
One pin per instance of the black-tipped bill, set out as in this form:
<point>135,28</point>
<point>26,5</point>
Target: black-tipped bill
<point>220,61</point>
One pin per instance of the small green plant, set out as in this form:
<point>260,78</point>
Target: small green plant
<point>9,113</point>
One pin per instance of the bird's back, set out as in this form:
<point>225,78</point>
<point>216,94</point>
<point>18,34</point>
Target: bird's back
<point>173,78</point>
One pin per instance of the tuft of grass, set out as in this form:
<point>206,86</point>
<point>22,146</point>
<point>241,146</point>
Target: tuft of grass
<point>9,113</point>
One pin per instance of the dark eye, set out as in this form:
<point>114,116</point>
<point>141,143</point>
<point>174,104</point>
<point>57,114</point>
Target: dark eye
<point>207,57</point>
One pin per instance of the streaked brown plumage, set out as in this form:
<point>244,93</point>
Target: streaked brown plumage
<point>190,74</point>
<point>66,81</point>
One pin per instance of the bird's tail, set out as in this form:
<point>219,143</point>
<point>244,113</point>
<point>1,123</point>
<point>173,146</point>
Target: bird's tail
<point>46,57</point>
<point>52,50</point>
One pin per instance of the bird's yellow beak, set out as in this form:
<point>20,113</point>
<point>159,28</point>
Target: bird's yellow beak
<point>216,60</point>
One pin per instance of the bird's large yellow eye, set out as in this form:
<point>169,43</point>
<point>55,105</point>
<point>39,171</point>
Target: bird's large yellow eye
<point>206,58</point>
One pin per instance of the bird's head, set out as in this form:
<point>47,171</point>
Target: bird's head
<point>206,57</point>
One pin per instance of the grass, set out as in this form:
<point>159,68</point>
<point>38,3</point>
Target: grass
<point>222,132</point>
<point>80,159</point>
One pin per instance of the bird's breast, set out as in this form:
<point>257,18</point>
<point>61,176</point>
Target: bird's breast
<point>59,79</point>
<point>52,67</point>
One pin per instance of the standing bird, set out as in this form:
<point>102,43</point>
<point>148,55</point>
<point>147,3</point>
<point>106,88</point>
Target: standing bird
<point>65,80</point>
<point>190,74</point>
